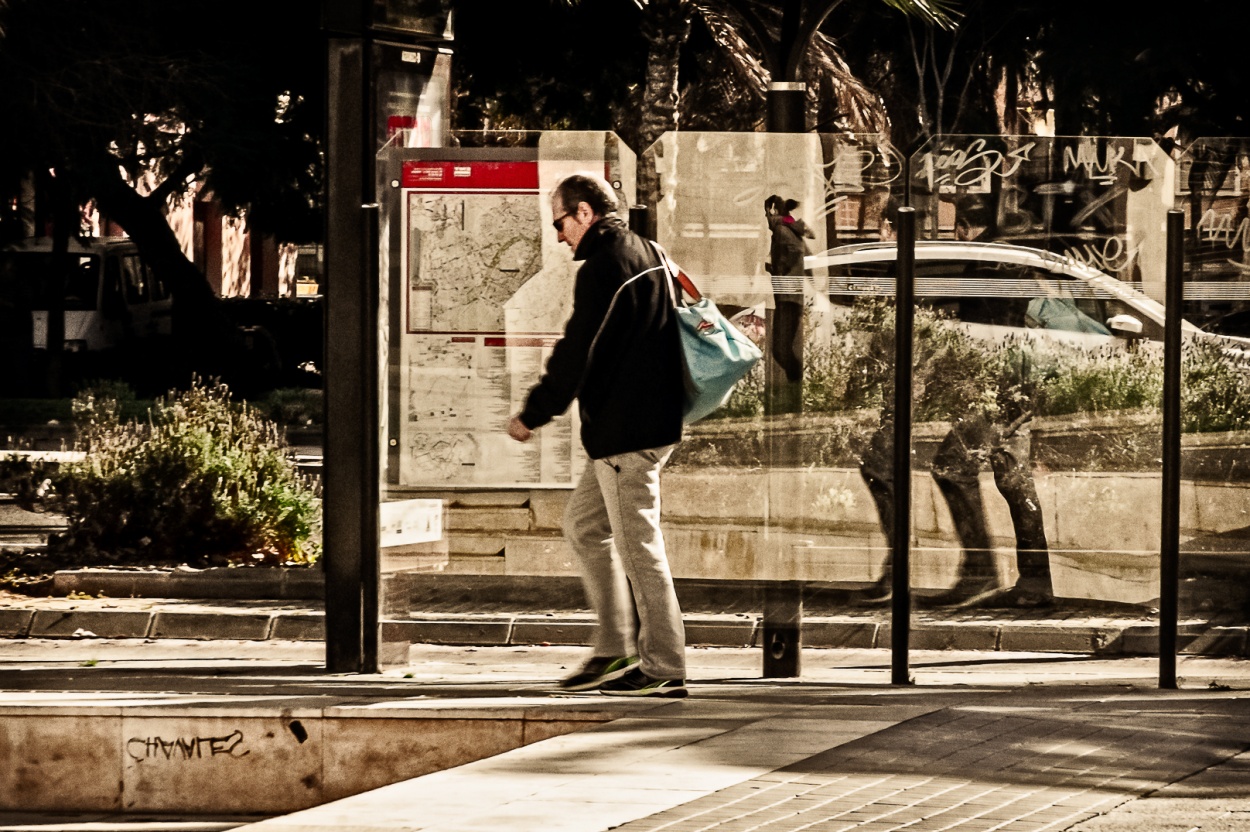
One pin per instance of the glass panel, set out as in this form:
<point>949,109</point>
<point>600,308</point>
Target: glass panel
<point>412,86</point>
<point>1212,191</point>
<point>787,481</point>
<point>1096,200</point>
<point>1037,374</point>
<point>476,290</point>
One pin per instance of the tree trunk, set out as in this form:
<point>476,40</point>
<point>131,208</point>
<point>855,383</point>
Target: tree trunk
<point>206,340</point>
<point>1009,460</point>
<point>666,26</point>
<point>956,470</point>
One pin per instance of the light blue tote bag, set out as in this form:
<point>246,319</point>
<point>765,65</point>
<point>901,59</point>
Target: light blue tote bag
<point>716,353</point>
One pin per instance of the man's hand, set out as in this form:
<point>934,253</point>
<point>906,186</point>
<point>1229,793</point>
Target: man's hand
<point>518,431</point>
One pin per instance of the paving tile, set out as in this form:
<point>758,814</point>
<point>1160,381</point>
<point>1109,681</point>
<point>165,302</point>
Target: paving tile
<point>743,753</point>
<point>299,627</point>
<point>479,632</point>
<point>97,623</point>
<point>1031,637</point>
<point>840,634</point>
<point>195,625</point>
<point>998,790</point>
<point>554,631</point>
<point>15,623</point>
<point>720,633</point>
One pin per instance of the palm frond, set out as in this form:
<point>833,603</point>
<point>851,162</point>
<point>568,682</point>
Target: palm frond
<point>943,13</point>
<point>732,97</point>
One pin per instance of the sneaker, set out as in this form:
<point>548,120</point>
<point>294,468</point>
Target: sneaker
<point>598,670</point>
<point>637,683</point>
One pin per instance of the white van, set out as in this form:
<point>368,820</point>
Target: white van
<point>111,298</point>
<point>998,290</point>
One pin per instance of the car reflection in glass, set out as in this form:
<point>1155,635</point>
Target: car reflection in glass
<point>996,290</point>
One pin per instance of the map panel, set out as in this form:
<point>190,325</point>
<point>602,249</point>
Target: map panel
<point>483,311</point>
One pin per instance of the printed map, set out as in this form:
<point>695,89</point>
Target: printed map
<point>469,255</point>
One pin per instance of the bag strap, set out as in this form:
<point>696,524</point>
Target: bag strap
<point>675,271</point>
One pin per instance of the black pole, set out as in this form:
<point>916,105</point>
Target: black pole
<point>351,487</point>
<point>782,625</point>
<point>341,498</point>
<point>786,101</point>
<point>370,467</point>
<point>786,107</point>
<point>904,313</point>
<point>640,221</point>
<point>1170,537</point>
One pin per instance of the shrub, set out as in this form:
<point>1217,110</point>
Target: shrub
<point>202,480</point>
<point>952,373</point>
<point>1054,380</point>
<point>747,398</point>
<point>1215,389</point>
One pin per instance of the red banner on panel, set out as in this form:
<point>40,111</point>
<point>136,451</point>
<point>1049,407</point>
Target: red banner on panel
<point>473,177</point>
<point>515,341</point>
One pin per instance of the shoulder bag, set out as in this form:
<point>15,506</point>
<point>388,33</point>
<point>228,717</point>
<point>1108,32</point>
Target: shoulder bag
<point>716,353</point>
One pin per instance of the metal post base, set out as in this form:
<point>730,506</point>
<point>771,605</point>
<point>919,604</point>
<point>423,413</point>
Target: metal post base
<point>783,626</point>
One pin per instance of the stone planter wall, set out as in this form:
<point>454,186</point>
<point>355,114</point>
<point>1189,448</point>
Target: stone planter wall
<point>819,523</point>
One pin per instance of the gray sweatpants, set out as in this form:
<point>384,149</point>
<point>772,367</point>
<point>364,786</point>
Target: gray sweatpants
<point>613,523</point>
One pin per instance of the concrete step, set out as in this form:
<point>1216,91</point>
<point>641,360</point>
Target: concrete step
<point>250,755</point>
<point>120,822</point>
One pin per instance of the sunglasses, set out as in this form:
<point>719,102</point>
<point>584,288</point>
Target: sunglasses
<point>558,222</point>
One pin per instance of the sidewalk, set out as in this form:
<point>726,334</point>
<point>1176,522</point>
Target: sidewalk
<point>1003,741</point>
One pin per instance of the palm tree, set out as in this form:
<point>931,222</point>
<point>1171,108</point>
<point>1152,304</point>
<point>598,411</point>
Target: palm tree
<point>757,42</point>
<point>764,41</point>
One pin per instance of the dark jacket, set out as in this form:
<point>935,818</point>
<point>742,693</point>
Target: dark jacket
<point>620,355</point>
<point>787,249</point>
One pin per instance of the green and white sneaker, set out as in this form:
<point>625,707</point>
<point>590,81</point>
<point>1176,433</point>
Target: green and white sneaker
<point>597,671</point>
<point>637,683</point>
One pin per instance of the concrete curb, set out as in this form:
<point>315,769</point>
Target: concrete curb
<point>734,630</point>
<point>237,584</point>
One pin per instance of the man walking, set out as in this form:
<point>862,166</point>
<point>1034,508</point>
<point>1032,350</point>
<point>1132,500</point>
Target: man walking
<point>620,358</point>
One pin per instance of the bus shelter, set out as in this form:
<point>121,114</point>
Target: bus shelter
<point>1033,420</point>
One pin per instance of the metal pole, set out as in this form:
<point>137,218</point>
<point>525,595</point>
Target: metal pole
<point>782,630</point>
<point>640,220</point>
<point>782,625</point>
<point>351,482</point>
<point>1170,539</point>
<point>370,416</point>
<point>786,100</point>
<point>904,312</point>
<point>786,103</point>
<point>342,495</point>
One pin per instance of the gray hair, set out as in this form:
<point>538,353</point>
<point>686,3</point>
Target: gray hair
<point>588,188</point>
